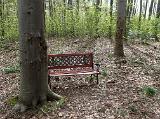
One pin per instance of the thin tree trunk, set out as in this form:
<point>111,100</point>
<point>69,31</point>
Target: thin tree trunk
<point>70,6</point>
<point>157,21</point>
<point>111,18</point>
<point>121,22</point>
<point>129,10</point>
<point>50,8</point>
<point>150,9</point>
<point>140,16</point>
<point>154,8</point>
<point>2,14</point>
<point>77,1</point>
<point>64,18</point>
<point>145,12</point>
<point>34,87</point>
<point>134,8</point>
<point>97,12</point>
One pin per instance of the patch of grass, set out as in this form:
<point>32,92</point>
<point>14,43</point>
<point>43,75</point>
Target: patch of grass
<point>104,73</point>
<point>11,69</point>
<point>50,106</point>
<point>149,91</point>
<point>133,109</point>
<point>12,100</point>
<point>110,55</point>
<point>122,112</point>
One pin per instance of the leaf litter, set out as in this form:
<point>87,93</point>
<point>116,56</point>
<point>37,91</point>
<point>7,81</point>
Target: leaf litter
<point>119,94</point>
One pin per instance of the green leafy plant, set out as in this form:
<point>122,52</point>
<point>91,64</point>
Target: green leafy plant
<point>12,100</point>
<point>149,91</point>
<point>104,73</point>
<point>50,106</point>
<point>133,109</point>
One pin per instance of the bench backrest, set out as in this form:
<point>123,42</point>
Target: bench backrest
<point>62,61</point>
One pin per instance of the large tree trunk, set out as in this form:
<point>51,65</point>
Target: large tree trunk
<point>33,56</point>
<point>121,22</point>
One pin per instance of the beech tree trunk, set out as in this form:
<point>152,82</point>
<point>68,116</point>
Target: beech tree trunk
<point>34,87</point>
<point>121,22</point>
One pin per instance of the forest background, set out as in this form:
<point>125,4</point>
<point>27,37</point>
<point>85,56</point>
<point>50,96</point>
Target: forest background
<point>86,18</point>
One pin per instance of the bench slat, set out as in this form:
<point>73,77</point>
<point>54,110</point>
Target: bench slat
<point>73,73</point>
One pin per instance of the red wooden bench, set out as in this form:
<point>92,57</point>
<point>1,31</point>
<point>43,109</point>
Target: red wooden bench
<point>72,64</point>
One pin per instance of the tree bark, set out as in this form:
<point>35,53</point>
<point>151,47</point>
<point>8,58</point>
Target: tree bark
<point>157,21</point>
<point>134,8</point>
<point>121,22</point>
<point>50,8</point>
<point>34,87</point>
<point>111,18</point>
<point>140,16</point>
<point>150,9</point>
<point>129,10</point>
<point>97,15</point>
<point>145,12</point>
<point>2,18</point>
<point>64,18</point>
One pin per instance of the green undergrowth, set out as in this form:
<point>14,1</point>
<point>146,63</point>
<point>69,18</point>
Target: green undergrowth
<point>12,100</point>
<point>47,107</point>
<point>11,69</point>
<point>50,106</point>
<point>104,73</point>
<point>149,91</point>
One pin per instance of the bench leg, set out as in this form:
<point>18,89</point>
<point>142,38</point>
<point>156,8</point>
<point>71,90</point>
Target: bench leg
<point>49,81</point>
<point>91,79</point>
<point>97,78</point>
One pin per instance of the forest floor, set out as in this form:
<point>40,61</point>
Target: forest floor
<point>120,93</point>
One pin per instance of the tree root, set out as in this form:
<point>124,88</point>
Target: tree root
<point>51,96</point>
<point>19,107</point>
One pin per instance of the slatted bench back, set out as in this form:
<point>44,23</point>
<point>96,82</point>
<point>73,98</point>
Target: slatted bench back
<point>63,61</point>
